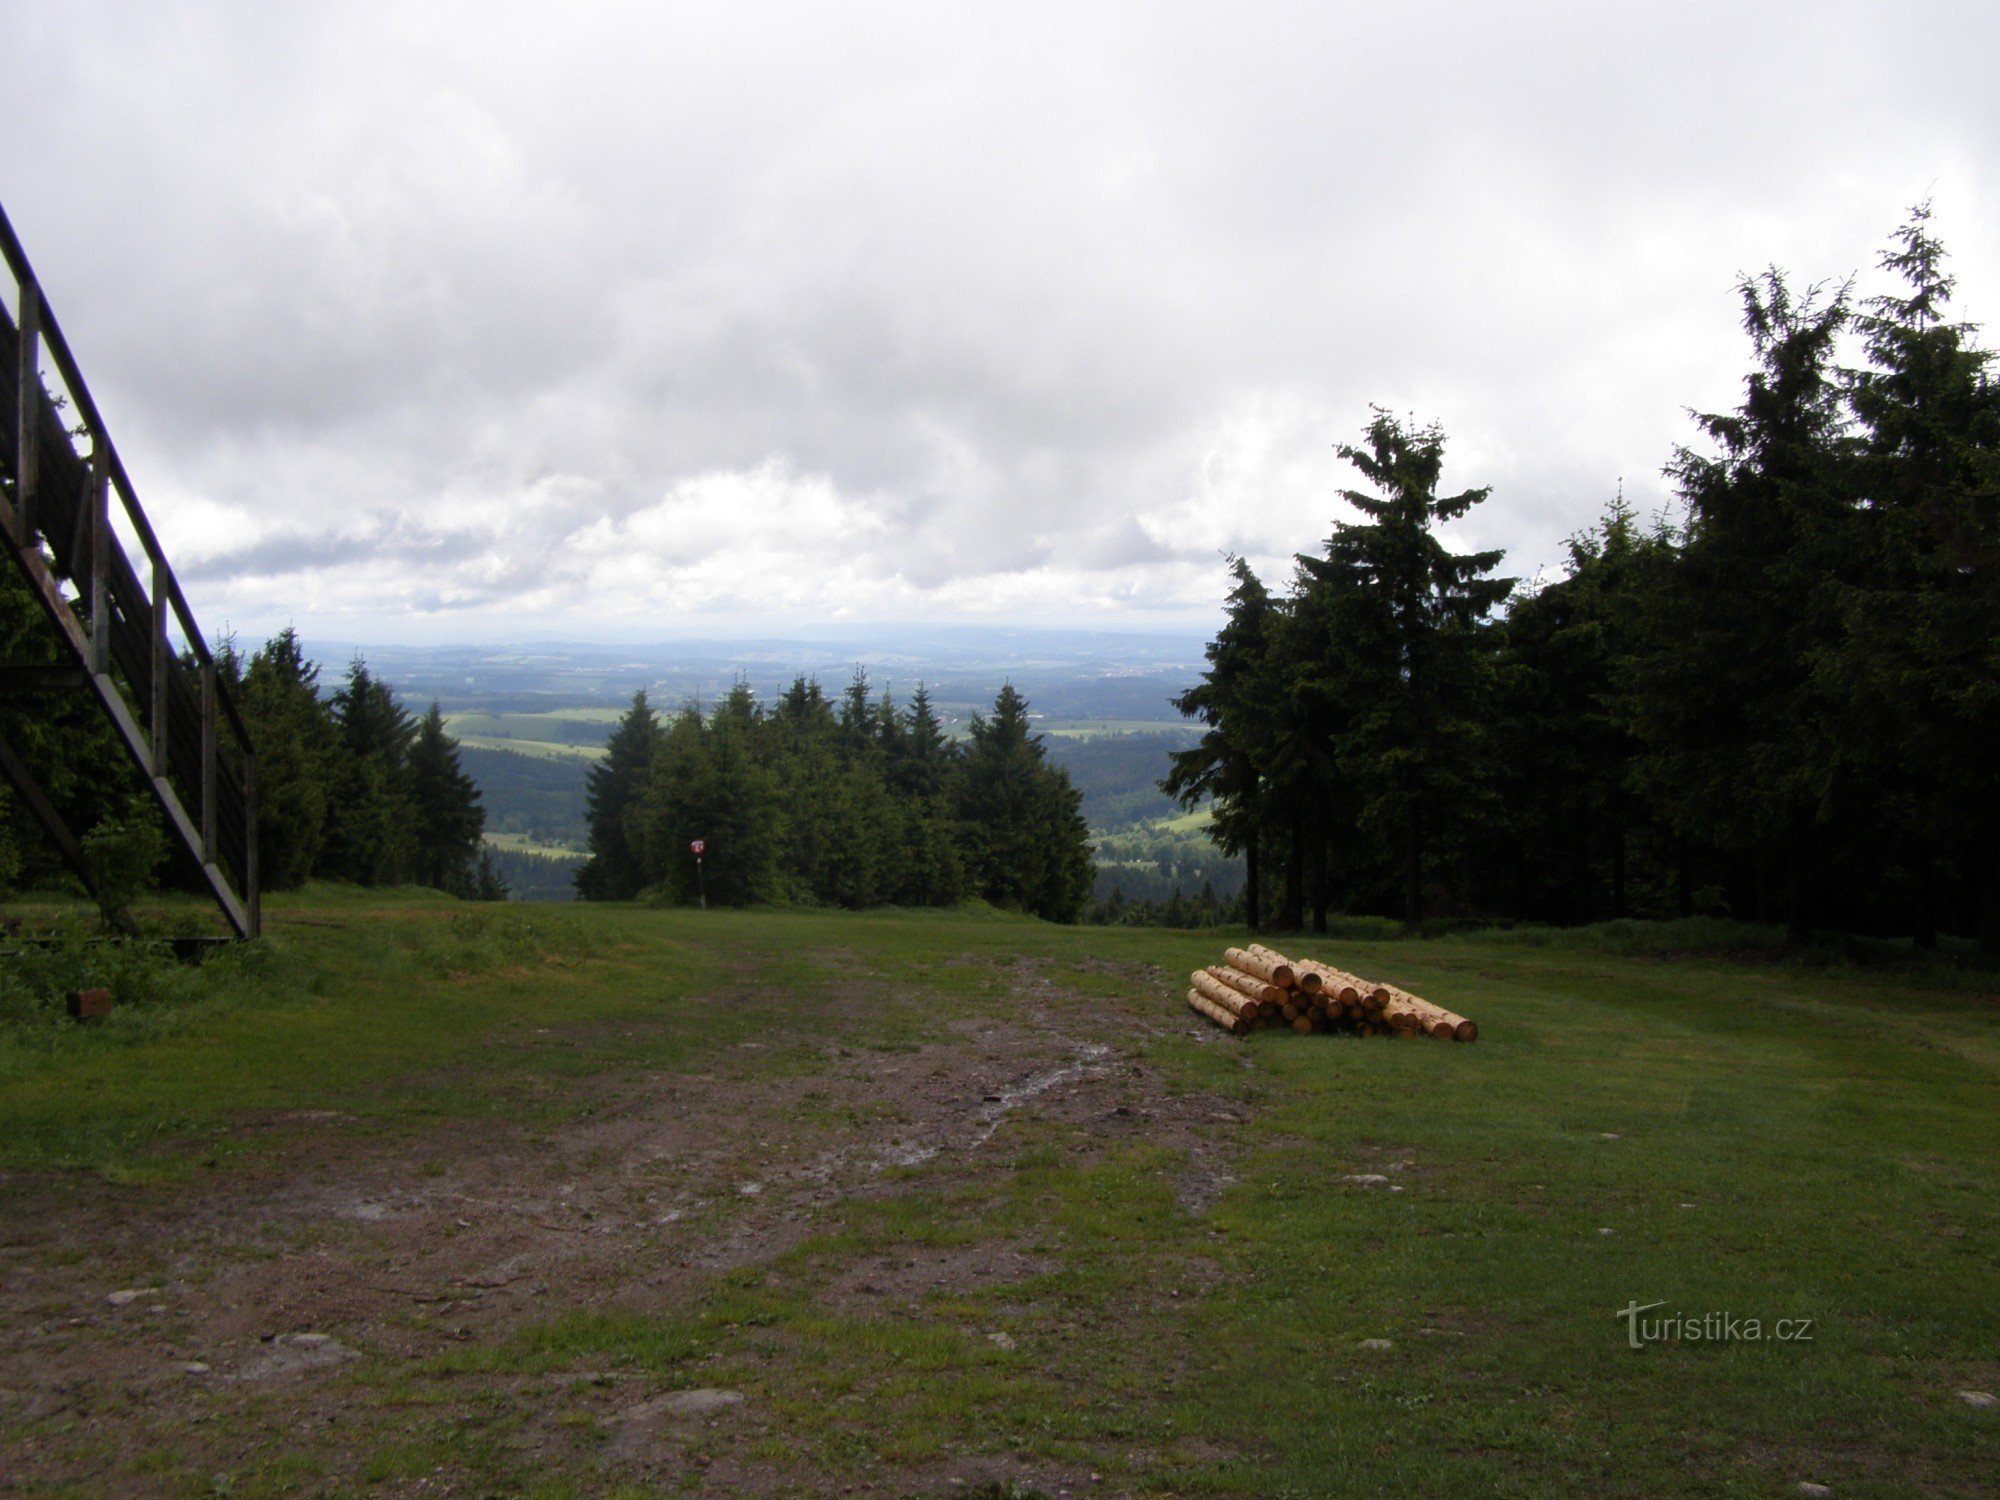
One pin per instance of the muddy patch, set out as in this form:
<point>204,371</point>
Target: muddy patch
<point>879,1283</point>
<point>331,1256</point>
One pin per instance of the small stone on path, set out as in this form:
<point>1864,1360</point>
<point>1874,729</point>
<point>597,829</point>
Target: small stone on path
<point>132,1294</point>
<point>695,1403</point>
<point>194,1367</point>
<point>1979,1398</point>
<point>295,1353</point>
<point>1000,1340</point>
<point>1377,1344</point>
<point>1807,1487</point>
<point>1367,1179</point>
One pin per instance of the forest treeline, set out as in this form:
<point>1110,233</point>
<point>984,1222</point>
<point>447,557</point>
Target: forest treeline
<point>1781,705</point>
<point>856,804</point>
<point>351,785</point>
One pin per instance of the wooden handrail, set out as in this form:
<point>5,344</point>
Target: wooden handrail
<point>119,601</point>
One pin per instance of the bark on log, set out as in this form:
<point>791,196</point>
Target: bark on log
<point>1216,992</point>
<point>1261,962</point>
<point>1338,979</point>
<point>1234,1025</point>
<point>1257,989</point>
<point>1281,964</point>
<point>1434,1019</point>
<point>1262,984</point>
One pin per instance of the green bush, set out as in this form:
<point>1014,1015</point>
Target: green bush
<point>122,854</point>
<point>36,980</point>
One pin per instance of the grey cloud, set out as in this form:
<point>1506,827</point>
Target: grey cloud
<point>289,552</point>
<point>999,277</point>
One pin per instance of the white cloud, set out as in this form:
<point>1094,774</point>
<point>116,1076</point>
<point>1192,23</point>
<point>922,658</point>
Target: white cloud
<point>469,317</point>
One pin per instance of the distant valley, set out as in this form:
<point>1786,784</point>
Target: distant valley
<point>531,719</point>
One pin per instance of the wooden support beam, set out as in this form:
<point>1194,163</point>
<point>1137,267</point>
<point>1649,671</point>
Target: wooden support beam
<point>27,402</point>
<point>160,660</point>
<point>33,798</point>
<point>79,535</point>
<point>53,825</point>
<point>208,685</point>
<point>253,872</point>
<point>99,588</point>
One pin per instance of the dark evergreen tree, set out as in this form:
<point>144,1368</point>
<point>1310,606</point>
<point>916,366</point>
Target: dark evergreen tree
<point>296,749</point>
<point>369,817</point>
<point>447,818</point>
<point>488,884</point>
<point>1915,671</point>
<point>807,755</point>
<point>611,788</point>
<point>1742,752</point>
<point>920,766</point>
<point>1027,847</point>
<point>1235,700</point>
<point>1412,681</point>
<point>707,783</point>
<point>1564,847</point>
<point>372,724</point>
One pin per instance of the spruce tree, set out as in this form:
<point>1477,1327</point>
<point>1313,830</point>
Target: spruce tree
<point>611,789</point>
<point>1233,699</point>
<point>707,782</point>
<point>1917,669</point>
<point>1027,846</point>
<point>293,733</point>
<point>369,815</point>
<point>807,750</point>
<point>920,773</point>
<point>447,820</point>
<point>1411,672</point>
<point>1566,839</point>
<point>1743,749</point>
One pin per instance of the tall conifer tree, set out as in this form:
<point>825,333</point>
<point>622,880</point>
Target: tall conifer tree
<point>612,788</point>
<point>1742,747</point>
<point>1409,621</point>
<point>1916,672</point>
<point>447,818</point>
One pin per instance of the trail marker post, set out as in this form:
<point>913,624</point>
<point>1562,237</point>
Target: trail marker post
<point>698,848</point>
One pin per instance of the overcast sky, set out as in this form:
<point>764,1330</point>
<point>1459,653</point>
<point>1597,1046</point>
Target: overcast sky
<point>484,321</point>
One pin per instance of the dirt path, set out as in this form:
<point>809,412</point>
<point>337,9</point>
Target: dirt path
<point>262,1308</point>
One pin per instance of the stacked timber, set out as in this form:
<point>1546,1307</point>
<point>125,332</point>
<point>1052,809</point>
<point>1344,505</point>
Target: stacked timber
<point>1257,986</point>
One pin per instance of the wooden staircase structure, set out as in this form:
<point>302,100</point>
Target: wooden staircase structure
<point>58,475</point>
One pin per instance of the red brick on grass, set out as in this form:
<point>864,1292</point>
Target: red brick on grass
<point>88,1005</point>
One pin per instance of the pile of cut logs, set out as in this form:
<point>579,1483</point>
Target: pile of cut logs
<point>1258,987</point>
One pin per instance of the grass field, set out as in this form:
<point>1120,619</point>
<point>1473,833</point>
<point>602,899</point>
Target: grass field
<point>521,843</point>
<point>1094,729</point>
<point>419,1197</point>
<point>540,749</point>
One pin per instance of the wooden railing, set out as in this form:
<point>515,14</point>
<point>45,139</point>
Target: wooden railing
<point>171,710</point>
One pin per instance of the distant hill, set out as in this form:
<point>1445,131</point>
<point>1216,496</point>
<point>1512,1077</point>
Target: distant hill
<point>531,718</point>
<point>1103,676</point>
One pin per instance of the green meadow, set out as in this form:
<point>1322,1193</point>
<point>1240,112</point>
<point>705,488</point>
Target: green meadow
<point>1134,1257</point>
